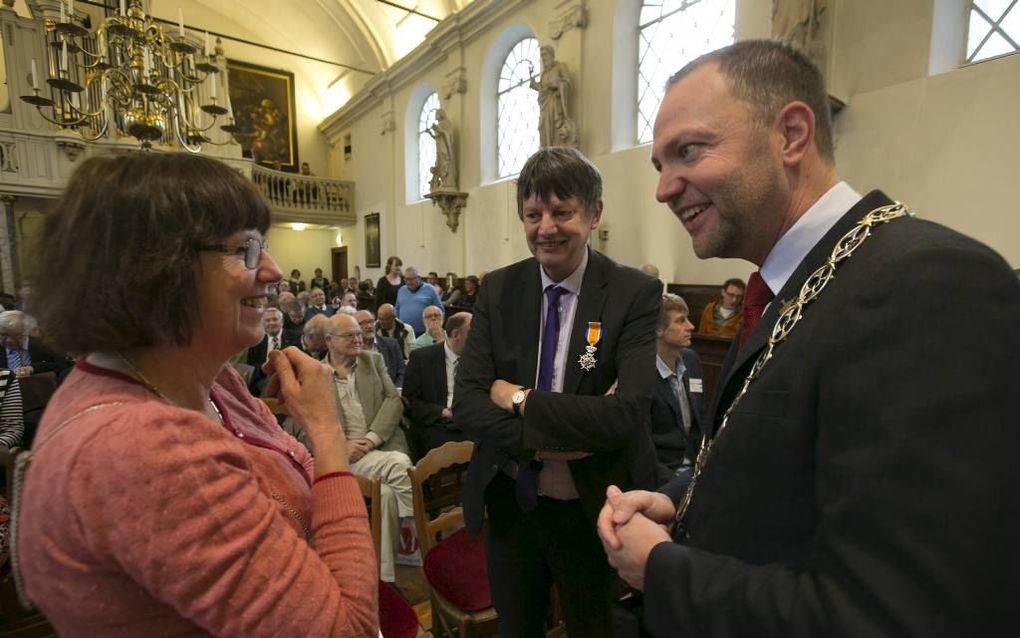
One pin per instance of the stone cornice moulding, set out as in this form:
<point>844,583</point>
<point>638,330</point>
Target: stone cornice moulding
<point>570,15</point>
<point>457,30</point>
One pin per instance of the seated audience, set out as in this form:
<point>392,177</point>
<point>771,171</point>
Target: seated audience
<point>297,285</point>
<point>12,419</point>
<point>413,298</point>
<point>677,410</point>
<point>317,304</point>
<point>370,411</point>
<point>349,299</point>
<point>428,388</point>
<point>23,353</point>
<point>284,286</point>
<point>293,313</point>
<point>387,347</point>
<point>276,338</point>
<point>389,326</point>
<point>723,318</point>
<point>172,502</point>
<point>432,317</point>
<point>313,336</point>
<point>465,298</point>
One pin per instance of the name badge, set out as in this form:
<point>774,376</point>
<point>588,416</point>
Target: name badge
<point>696,385</point>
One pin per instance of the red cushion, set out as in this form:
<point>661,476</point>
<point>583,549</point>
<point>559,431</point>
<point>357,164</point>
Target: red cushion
<point>396,617</point>
<point>456,569</point>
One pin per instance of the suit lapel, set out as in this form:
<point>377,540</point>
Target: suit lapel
<point>811,262</point>
<point>439,371</point>
<point>589,308</point>
<point>522,295</point>
<point>365,386</point>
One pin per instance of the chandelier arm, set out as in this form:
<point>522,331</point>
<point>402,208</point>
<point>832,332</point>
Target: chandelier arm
<point>102,131</point>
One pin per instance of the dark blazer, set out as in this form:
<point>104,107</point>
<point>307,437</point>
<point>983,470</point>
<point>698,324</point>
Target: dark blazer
<point>503,344</point>
<point>43,359</point>
<point>425,385</point>
<point>311,311</point>
<point>256,356</point>
<point>672,443</point>
<point>864,484</point>
<point>391,354</point>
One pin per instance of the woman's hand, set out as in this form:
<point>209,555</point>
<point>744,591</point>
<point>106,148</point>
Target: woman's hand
<point>305,386</point>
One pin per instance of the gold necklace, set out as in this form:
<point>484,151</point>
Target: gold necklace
<point>152,387</point>
<point>789,317</point>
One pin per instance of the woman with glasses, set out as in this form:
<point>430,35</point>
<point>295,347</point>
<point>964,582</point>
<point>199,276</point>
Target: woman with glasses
<point>160,495</point>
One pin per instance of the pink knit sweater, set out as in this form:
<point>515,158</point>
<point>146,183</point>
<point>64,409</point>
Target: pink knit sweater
<point>146,519</point>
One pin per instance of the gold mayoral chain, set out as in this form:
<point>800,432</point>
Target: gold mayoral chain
<point>789,317</point>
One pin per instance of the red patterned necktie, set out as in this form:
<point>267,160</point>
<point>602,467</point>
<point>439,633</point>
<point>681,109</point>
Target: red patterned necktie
<point>756,297</point>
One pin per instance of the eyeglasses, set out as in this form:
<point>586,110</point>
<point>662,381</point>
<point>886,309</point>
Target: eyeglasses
<point>345,335</point>
<point>251,250</point>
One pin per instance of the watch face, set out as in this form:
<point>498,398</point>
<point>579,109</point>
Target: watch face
<point>517,396</point>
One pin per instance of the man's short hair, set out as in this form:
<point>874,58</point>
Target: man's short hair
<point>413,269</point>
<point>671,303</point>
<point>16,322</point>
<point>734,281</point>
<point>273,311</point>
<point>560,171</point>
<point>143,216</point>
<point>768,75</point>
<point>456,321</point>
<point>317,325</point>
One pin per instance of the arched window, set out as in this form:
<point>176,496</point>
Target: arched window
<point>426,144</point>
<point>993,29</point>
<point>671,33</point>
<point>517,108</point>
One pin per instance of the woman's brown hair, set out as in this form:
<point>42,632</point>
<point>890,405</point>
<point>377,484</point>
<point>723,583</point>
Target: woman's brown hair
<point>119,250</point>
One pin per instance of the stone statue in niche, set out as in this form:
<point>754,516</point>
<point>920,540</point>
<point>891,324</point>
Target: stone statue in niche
<point>555,126</point>
<point>799,23</point>
<point>444,173</point>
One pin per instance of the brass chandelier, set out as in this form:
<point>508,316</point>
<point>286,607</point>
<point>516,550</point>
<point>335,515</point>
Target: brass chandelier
<point>133,71</point>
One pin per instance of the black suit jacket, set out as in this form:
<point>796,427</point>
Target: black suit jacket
<point>503,344</point>
<point>865,484</point>
<point>672,443</point>
<point>43,359</point>
<point>392,356</point>
<point>256,356</point>
<point>425,385</point>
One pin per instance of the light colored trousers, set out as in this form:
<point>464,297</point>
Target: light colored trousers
<point>396,500</point>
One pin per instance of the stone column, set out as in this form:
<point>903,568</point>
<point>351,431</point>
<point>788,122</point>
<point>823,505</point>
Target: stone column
<point>8,245</point>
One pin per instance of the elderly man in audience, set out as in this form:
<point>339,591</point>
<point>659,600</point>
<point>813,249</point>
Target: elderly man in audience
<point>370,410</point>
<point>12,419</point>
<point>387,347</point>
<point>313,336</point>
<point>389,326</point>
<point>317,304</point>
<point>24,354</point>
<point>349,298</point>
<point>276,338</point>
<point>413,298</point>
<point>432,317</point>
<point>676,417</point>
<point>428,388</point>
<point>723,317</point>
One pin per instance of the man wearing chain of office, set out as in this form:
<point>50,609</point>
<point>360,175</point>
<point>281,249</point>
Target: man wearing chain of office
<point>857,476</point>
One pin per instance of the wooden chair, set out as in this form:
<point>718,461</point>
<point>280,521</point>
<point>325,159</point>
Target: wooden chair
<point>15,620</point>
<point>396,617</point>
<point>454,561</point>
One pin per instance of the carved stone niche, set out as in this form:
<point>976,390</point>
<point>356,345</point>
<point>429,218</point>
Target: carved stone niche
<point>451,203</point>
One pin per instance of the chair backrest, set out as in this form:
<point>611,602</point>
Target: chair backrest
<point>371,491</point>
<point>437,482</point>
<point>36,390</point>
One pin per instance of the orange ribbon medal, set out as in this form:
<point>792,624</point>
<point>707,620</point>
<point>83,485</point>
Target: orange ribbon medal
<point>594,335</point>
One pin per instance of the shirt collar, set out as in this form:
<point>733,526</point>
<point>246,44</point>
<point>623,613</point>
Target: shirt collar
<point>572,282</point>
<point>797,242</point>
<point>664,370</point>
<point>451,356</point>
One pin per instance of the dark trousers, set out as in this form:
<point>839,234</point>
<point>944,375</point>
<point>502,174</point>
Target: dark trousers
<point>528,552</point>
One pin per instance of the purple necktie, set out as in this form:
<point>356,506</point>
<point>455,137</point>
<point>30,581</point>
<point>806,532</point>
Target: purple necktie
<point>526,489</point>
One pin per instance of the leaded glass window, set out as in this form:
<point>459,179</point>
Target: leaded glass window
<point>517,108</point>
<point>671,33</point>
<point>426,144</point>
<point>993,29</point>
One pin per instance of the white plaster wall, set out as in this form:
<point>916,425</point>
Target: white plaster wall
<point>945,144</point>
<point>305,250</point>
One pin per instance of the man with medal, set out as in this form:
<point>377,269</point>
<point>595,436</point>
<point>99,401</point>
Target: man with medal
<point>551,335</point>
<point>856,476</point>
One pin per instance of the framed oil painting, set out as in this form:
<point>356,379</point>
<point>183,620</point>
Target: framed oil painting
<point>263,102</point>
<point>373,252</point>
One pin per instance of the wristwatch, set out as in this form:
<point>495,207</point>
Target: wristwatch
<point>517,400</point>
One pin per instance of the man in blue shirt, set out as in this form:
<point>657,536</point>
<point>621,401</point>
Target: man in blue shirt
<point>413,298</point>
